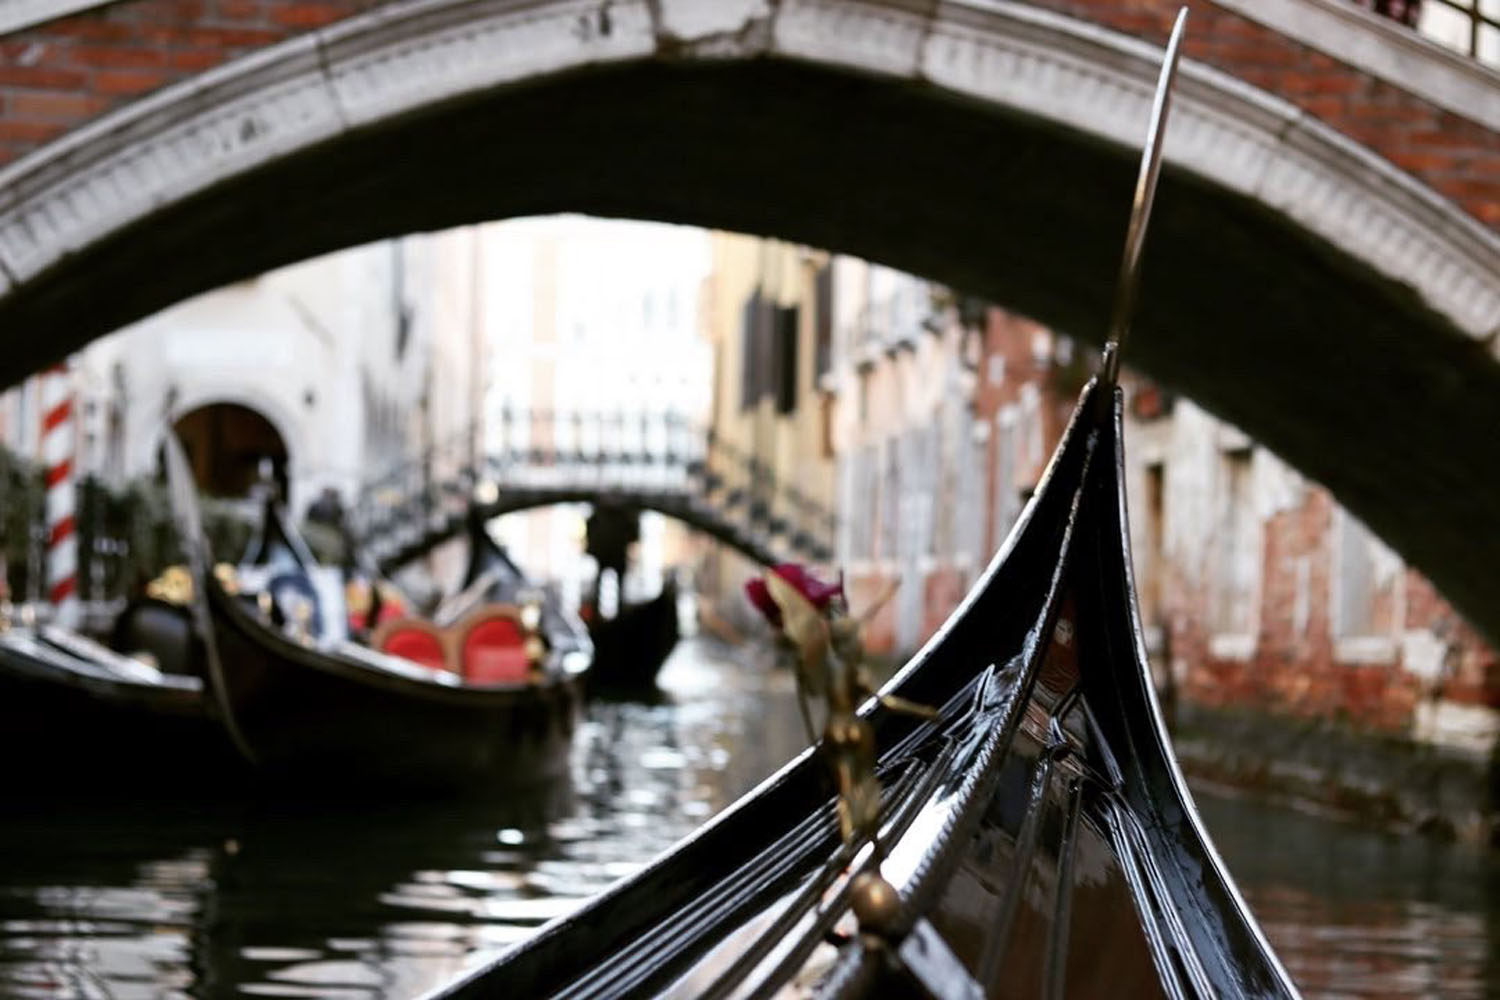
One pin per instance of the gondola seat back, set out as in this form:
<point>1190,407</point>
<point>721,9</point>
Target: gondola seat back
<point>492,646</point>
<point>163,630</point>
<point>415,640</point>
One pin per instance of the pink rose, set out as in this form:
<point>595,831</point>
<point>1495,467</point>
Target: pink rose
<point>818,593</point>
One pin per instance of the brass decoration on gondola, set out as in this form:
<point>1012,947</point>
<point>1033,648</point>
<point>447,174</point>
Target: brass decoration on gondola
<point>534,644</point>
<point>831,666</point>
<point>174,586</point>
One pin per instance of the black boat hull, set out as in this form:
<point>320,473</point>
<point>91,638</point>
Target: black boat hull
<point>630,648</point>
<point>66,722</point>
<point>349,717</point>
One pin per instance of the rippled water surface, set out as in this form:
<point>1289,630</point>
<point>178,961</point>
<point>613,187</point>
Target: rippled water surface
<point>279,900</point>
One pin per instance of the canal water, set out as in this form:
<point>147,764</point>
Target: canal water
<point>265,899</point>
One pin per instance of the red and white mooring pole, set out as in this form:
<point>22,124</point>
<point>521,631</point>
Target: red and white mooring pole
<point>58,443</point>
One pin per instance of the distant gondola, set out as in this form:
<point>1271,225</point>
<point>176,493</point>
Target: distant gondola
<point>308,706</point>
<point>630,648</point>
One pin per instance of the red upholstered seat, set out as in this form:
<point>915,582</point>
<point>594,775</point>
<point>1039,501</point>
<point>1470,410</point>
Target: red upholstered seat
<point>494,652</point>
<point>416,644</point>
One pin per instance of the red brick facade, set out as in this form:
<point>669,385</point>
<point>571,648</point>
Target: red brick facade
<point>1295,666</point>
<point>1455,156</point>
<point>1411,650</point>
<point>58,75</point>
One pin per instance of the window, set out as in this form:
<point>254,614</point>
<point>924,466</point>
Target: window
<point>1470,26</point>
<point>890,501</point>
<point>1007,498</point>
<point>972,451</point>
<point>786,359</point>
<point>749,313</point>
<point>823,321</point>
<point>860,502</point>
<point>1031,429</point>
<point>1149,558</point>
<point>1238,563</point>
<point>1365,583</point>
<point>923,453</point>
<point>757,349</point>
<point>1356,579</point>
<point>869,487</point>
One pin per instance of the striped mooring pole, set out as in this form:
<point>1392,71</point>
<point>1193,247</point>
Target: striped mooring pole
<point>59,441</point>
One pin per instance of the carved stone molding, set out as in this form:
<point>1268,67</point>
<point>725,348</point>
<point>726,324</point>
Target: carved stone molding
<point>398,59</point>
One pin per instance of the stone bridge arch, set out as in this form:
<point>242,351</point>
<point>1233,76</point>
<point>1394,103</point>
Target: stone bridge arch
<point>1297,283</point>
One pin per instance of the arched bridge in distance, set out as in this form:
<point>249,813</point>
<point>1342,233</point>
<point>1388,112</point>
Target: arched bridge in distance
<point>663,462</point>
<point>1323,271</point>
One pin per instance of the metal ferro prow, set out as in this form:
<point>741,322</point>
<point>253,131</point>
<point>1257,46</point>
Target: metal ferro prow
<point>1140,210</point>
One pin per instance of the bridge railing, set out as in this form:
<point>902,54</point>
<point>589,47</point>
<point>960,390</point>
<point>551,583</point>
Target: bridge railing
<point>662,460</point>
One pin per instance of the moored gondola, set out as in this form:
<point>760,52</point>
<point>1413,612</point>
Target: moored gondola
<point>342,712</point>
<point>491,575</point>
<point>308,707</point>
<point>74,712</point>
<point>630,648</point>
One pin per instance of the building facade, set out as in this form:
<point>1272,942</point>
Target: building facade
<point>1270,612</point>
<point>768,319</point>
<point>327,369</point>
<point>1260,592</point>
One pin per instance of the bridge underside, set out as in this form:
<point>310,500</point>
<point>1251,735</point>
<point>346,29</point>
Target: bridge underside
<point>1345,374</point>
<point>713,520</point>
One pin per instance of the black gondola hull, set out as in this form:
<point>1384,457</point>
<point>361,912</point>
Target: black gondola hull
<point>630,648</point>
<point>337,718</point>
<point>65,723</point>
<point>1038,832</point>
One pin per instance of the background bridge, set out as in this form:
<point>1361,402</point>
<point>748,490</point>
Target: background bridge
<point>664,462</point>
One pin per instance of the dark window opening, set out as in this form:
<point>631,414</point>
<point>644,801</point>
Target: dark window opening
<point>786,359</point>
<point>823,321</point>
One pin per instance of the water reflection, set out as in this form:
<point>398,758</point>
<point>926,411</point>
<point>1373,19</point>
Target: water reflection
<point>379,900</point>
<point>386,900</point>
<point>1359,913</point>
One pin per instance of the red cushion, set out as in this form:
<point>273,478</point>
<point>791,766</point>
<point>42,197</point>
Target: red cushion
<point>416,645</point>
<point>495,653</point>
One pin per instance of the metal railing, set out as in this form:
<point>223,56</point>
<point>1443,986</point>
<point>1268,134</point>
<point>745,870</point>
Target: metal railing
<point>1470,26</point>
<point>661,460</point>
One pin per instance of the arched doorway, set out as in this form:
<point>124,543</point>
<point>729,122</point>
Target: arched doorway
<point>226,444</point>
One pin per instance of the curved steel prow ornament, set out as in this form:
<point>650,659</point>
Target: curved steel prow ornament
<point>182,493</point>
<point>1140,210</point>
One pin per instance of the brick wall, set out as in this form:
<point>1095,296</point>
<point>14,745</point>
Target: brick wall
<point>1419,651</point>
<point>57,75</point>
<point>1457,157</point>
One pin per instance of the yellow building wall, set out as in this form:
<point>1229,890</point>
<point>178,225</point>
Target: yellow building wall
<point>791,446</point>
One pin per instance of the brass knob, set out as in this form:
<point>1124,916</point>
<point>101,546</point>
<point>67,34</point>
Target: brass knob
<point>875,902</point>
